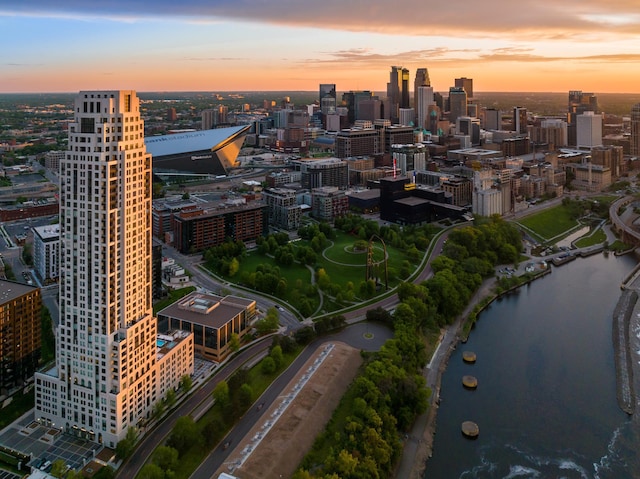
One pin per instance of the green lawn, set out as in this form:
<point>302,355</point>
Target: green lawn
<point>548,224</point>
<point>598,237</point>
<point>342,264</point>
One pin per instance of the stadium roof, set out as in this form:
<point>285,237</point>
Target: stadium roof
<point>192,141</point>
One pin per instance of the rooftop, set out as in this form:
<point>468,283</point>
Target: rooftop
<point>10,290</point>
<point>206,309</point>
<point>192,140</point>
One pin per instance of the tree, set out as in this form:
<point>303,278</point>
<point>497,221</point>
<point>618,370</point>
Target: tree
<point>58,468</point>
<point>276,355</point>
<point>158,410</point>
<point>185,434</point>
<point>170,398</point>
<point>151,471</point>
<point>165,457</point>
<point>245,396</point>
<point>125,447</point>
<point>234,266</point>
<point>186,383</point>
<point>105,472</point>
<point>221,394</point>
<point>234,342</point>
<point>268,366</point>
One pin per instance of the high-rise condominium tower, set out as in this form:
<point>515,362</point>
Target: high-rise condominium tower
<point>635,130</point>
<point>106,377</point>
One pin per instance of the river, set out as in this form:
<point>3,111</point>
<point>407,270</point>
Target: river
<point>546,397</point>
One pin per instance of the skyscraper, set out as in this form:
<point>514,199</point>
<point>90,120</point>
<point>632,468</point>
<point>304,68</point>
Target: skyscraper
<point>457,103</point>
<point>588,130</point>
<point>327,98</point>
<point>422,79</point>
<point>520,120</point>
<point>635,130</point>
<point>107,375</point>
<point>398,91</point>
<point>467,84</point>
<point>424,99</point>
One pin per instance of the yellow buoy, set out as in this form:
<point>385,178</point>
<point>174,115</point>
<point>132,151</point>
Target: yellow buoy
<point>469,357</point>
<point>469,382</point>
<point>470,429</point>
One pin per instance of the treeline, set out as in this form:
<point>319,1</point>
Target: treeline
<point>363,438</point>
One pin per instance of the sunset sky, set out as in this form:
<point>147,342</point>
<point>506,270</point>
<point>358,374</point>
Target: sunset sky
<point>241,45</point>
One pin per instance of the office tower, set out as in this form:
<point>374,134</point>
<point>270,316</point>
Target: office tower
<point>588,130</point>
<point>20,339</point>
<point>358,142</point>
<point>635,130</point>
<point>551,132</point>
<point>109,372</point>
<point>398,91</point>
<point>370,110</point>
<point>578,103</point>
<point>467,84</point>
<point>424,99</point>
<point>352,101</point>
<point>468,126</point>
<point>492,119</point>
<point>328,98</point>
<point>520,120</point>
<point>171,114</point>
<point>457,103</point>
<point>422,79</point>
<point>407,116</point>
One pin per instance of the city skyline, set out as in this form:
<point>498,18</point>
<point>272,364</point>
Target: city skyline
<point>284,45</point>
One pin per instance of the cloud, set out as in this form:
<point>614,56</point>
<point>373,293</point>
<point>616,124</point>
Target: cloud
<point>364,58</point>
<point>528,18</point>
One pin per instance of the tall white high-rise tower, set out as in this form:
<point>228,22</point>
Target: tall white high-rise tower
<point>106,377</point>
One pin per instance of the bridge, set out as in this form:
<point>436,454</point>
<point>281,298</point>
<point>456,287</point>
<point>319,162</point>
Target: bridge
<point>627,233</point>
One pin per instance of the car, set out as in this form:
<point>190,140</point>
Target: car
<point>280,308</point>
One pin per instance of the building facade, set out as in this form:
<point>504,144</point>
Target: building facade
<point>282,208</point>
<point>20,333</point>
<point>106,378</point>
<point>212,320</point>
<point>588,130</point>
<point>46,252</point>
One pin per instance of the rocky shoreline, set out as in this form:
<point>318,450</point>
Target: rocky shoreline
<point>623,324</point>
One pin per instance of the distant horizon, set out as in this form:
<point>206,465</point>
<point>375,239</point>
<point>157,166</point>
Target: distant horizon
<point>481,92</point>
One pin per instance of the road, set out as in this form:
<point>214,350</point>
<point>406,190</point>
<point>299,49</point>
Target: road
<point>192,264</point>
<point>353,335</point>
<point>154,437</point>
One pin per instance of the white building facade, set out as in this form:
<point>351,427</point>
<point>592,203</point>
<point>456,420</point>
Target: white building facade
<point>106,378</point>
<point>46,252</point>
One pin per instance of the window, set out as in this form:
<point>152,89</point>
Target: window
<point>87,125</point>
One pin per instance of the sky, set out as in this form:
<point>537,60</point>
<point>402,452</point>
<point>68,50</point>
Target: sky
<point>294,45</point>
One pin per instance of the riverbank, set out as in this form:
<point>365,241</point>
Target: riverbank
<point>419,443</point>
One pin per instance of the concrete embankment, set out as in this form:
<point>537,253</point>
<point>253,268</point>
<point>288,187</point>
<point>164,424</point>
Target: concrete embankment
<point>622,319</point>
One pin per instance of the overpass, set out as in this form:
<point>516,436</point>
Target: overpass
<point>627,233</point>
